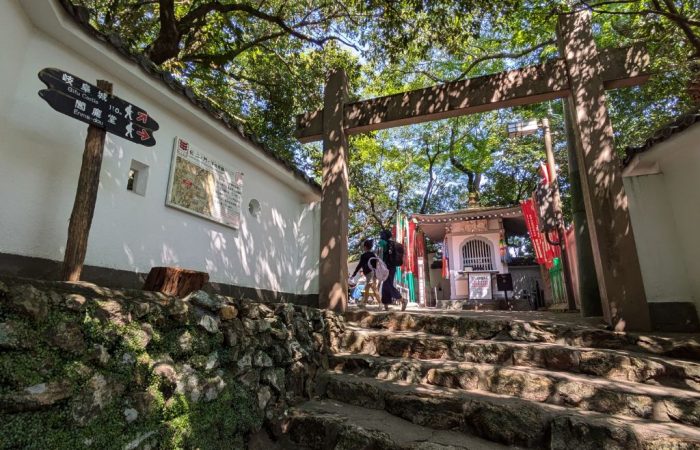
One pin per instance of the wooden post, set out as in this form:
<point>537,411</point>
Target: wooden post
<point>333,271</point>
<point>85,197</point>
<point>612,239</point>
<point>588,291</point>
<point>556,199</point>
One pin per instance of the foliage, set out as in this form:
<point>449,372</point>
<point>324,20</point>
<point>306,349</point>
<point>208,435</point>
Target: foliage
<point>265,62</point>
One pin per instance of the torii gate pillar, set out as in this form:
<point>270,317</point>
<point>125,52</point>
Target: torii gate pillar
<point>612,240</point>
<point>333,265</point>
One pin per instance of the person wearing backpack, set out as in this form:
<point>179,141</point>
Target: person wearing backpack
<point>392,254</point>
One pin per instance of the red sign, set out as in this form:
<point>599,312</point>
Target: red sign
<point>544,251</point>
<point>143,134</point>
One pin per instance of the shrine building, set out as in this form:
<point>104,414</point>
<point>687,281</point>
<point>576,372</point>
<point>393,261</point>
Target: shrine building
<point>475,250</point>
<point>256,235</point>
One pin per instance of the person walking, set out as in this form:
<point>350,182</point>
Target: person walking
<point>365,265</point>
<point>392,255</point>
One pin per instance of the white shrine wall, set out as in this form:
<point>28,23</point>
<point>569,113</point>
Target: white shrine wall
<point>664,202</point>
<point>460,234</point>
<point>40,158</point>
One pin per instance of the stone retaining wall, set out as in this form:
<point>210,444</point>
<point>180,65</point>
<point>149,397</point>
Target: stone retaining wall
<point>88,367</point>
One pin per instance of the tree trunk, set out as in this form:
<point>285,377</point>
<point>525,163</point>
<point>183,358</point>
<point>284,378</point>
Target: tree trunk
<point>175,281</point>
<point>167,44</point>
<point>694,82</point>
<point>473,182</point>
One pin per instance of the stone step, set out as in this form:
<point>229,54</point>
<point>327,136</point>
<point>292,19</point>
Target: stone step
<point>530,326</point>
<point>579,391</point>
<point>329,424</point>
<point>508,420</point>
<point>609,364</point>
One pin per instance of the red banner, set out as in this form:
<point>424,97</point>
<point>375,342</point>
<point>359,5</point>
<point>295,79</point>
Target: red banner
<point>544,252</point>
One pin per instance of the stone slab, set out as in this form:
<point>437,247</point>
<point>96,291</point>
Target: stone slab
<point>508,420</point>
<point>609,364</point>
<point>323,424</point>
<point>559,388</point>
<point>530,326</point>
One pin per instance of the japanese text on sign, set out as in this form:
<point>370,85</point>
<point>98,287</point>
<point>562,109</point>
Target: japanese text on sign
<point>203,186</point>
<point>479,286</point>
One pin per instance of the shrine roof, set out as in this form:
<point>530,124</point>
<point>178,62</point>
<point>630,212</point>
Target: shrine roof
<point>485,212</point>
<point>80,16</point>
<point>664,133</point>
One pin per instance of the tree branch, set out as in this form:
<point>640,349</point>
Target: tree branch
<point>223,58</point>
<point>502,55</point>
<point>673,16</point>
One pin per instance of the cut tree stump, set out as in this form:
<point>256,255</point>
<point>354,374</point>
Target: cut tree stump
<point>175,281</point>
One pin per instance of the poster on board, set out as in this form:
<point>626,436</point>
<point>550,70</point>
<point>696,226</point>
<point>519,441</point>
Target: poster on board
<point>480,286</point>
<point>205,187</point>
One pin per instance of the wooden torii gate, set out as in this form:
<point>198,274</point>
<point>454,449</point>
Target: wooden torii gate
<point>580,76</point>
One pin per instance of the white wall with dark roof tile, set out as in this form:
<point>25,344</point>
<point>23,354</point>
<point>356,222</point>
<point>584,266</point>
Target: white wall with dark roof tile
<point>40,158</point>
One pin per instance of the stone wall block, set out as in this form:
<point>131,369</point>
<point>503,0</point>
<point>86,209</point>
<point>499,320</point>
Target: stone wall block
<point>74,302</point>
<point>98,393</point>
<point>144,348</point>
<point>250,378</point>
<point>286,312</point>
<point>233,333</point>
<point>262,359</point>
<point>209,323</point>
<point>178,310</point>
<point>67,336</point>
<point>228,312</point>
<point>39,396</point>
<point>274,377</point>
<point>14,336</point>
<point>112,311</point>
<point>29,301</point>
<point>202,299</point>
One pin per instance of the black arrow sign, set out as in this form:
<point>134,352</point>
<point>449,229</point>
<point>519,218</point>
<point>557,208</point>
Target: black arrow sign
<point>78,88</point>
<point>93,115</point>
<point>114,120</point>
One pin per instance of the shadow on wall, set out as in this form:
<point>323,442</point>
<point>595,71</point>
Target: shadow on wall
<point>272,252</point>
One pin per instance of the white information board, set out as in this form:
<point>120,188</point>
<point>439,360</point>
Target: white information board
<point>203,186</point>
<point>480,286</point>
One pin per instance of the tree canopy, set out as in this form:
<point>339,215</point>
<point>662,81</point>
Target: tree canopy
<point>265,61</point>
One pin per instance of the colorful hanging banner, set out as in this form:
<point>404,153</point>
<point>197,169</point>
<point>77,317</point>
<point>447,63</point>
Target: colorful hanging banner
<point>445,260</point>
<point>544,251</point>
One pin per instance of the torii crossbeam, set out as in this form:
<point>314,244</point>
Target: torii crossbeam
<point>580,76</point>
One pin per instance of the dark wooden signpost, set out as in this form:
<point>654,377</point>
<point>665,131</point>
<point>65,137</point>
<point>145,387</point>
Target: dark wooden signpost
<point>103,112</point>
<point>81,100</point>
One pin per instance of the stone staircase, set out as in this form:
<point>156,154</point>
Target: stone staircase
<point>460,381</point>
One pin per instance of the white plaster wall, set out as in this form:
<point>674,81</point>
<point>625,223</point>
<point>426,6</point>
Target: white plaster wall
<point>455,243</point>
<point>40,157</point>
<point>665,212</point>
<point>660,256</point>
<point>681,169</point>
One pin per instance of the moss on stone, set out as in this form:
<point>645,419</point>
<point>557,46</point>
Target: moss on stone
<point>211,425</point>
<point>127,382</point>
<point>25,369</point>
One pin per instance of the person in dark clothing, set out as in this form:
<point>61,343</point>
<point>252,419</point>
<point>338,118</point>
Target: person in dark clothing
<point>389,291</point>
<point>364,259</point>
<point>367,270</point>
